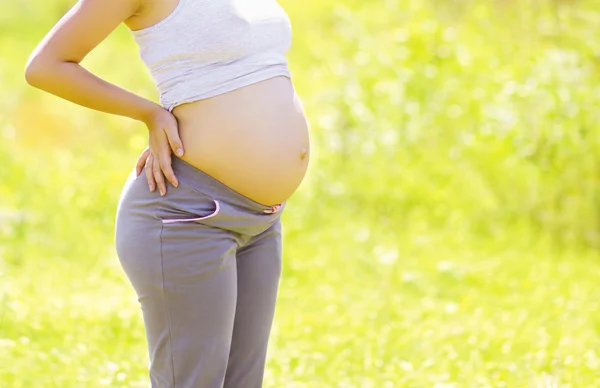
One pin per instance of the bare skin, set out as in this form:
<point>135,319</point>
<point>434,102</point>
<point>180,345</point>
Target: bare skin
<point>254,139</point>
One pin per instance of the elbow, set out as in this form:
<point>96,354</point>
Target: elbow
<point>39,71</point>
<point>34,73</point>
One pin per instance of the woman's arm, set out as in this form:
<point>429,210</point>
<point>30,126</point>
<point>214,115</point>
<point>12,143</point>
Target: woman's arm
<point>54,64</point>
<point>54,67</point>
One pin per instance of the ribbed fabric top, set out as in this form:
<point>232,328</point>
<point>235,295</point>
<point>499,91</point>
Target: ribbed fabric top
<point>208,47</point>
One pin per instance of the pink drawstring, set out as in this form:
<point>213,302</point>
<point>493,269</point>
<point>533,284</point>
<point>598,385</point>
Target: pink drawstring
<point>273,209</point>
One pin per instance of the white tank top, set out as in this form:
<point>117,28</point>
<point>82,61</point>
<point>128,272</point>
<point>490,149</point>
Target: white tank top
<point>208,47</point>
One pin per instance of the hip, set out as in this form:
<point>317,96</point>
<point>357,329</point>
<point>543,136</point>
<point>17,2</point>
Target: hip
<point>200,221</point>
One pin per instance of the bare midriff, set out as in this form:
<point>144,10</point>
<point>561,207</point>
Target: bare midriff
<point>254,139</point>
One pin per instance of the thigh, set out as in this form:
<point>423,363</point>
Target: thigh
<point>258,273</point>
<point>198,301</point>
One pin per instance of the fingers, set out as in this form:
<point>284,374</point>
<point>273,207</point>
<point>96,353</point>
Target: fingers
<point>150,173</point>
<point>155,173</point>
<point>142,161</point>
<point>174,140</point>
<point>167,170</point>
<point>164,140</point>
<point>159,177</point>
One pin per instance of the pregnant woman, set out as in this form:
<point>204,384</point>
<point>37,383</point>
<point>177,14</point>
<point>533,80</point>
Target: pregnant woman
<point>198,233</point>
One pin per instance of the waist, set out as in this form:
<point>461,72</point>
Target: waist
<point>253,139</point>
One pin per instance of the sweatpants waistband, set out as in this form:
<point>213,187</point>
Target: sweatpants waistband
<point>210,186</point>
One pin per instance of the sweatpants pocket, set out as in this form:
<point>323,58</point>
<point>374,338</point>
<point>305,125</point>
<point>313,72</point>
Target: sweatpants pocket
<point>194,219</point>
<point>184,204</point>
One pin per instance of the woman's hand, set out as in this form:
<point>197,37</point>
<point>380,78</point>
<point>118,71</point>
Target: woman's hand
<point>163,139</point>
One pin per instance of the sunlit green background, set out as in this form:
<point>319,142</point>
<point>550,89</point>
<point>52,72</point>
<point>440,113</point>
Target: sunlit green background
<point>447,234</point>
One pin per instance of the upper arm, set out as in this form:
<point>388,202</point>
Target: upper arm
<point>85,26</point>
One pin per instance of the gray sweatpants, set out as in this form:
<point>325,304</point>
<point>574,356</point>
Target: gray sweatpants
<point>205,263</point>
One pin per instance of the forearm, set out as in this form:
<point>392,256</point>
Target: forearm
<point>74,83</point>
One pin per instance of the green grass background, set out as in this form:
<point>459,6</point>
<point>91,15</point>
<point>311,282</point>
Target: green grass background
<point>446,236</point>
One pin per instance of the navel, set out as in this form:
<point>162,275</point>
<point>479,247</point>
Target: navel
<point>303,153</point>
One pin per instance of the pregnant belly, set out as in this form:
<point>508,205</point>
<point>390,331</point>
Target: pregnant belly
<point>254,139</point>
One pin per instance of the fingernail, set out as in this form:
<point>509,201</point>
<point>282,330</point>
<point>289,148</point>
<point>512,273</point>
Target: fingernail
<point>179,152</point>
<point>151,188</point>
<point>162,193</point>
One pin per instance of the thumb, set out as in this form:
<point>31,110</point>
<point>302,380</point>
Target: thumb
<point>174,140</point>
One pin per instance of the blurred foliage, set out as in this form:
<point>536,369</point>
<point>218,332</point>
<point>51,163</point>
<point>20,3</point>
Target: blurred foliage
<point>446,235</point>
